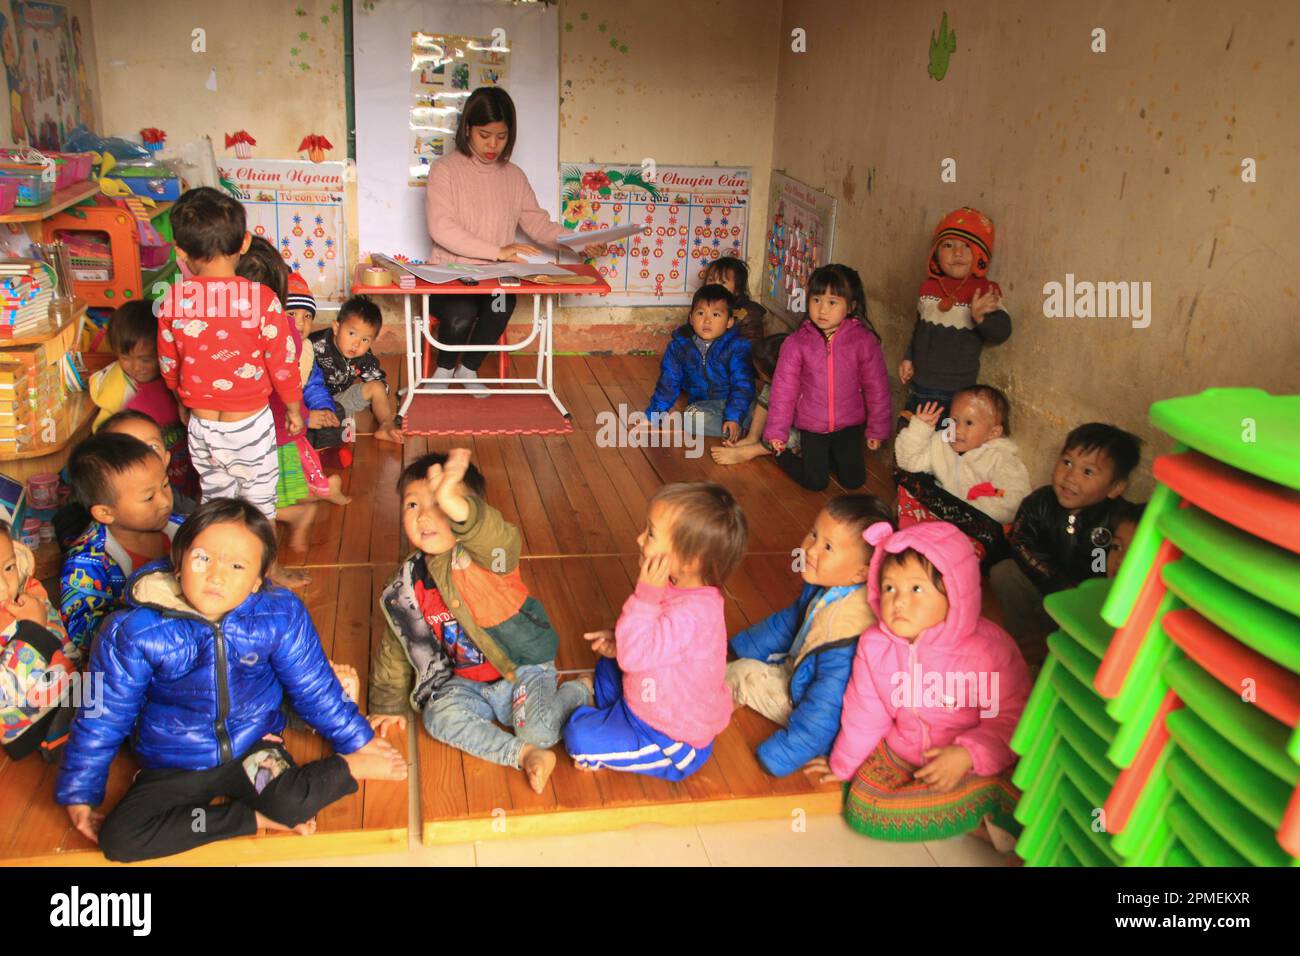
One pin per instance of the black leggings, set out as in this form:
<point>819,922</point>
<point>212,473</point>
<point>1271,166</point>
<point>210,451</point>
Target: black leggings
<point>169,811</point>
<point>842,450</point>
<point>470,320</point>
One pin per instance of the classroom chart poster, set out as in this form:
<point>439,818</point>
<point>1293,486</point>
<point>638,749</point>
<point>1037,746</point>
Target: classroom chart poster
<point>45,72</point>
<point>445,69</point>
<point>297,206</point>
<point>799,237</point>
<point>692,215</point>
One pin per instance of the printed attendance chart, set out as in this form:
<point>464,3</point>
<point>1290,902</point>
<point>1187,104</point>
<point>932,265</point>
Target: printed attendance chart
<point>691,214</point>
<point>297,206</point>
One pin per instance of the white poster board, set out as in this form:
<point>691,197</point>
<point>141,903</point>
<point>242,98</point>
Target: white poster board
<point>390,210</point>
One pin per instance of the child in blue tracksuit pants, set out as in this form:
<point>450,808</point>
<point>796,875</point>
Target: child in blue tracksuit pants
<point>709,359</point>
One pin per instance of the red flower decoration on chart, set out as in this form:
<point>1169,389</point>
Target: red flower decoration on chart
<point>595,180</point>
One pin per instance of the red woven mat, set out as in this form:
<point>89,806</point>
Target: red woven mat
<point>462,414</point>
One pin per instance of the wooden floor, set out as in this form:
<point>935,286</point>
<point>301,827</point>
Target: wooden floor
<point>579,508</point>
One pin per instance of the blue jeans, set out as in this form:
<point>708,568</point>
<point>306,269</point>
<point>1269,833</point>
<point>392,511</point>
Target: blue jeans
<point>709,420</point>
<point>461,712</point>
<point>610,736</point>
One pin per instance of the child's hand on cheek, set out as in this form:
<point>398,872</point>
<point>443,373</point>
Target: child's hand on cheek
<point>946,767</point>
<point>654,571</point>
<point>27,608</point>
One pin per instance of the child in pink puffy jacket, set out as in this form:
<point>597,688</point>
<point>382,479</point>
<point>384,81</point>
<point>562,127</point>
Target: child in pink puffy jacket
<point>660,683</point>
<point>935,695</point>
<point>831,384</point>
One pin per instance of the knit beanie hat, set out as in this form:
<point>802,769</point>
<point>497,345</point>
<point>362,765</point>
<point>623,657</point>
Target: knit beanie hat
<point>300,296</point>
<point>973,228</point>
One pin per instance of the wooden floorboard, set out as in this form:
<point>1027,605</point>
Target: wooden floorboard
<point>580,502</point>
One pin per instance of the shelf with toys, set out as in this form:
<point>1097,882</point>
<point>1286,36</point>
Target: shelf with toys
<point>61,200</point>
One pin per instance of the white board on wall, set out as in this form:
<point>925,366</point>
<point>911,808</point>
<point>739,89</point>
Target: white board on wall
<point>390,211</point>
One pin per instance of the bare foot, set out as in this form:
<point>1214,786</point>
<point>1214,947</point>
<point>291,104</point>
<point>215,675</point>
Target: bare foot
<point>336,495</point>
<point>298,518</point>
<point>390,432</point>
<point>736,454</point>
<point>266,823</point>
<point>288,577</point>
<point>537,764</point>
<point>377,760</point>
<point>589,681</point>
<point>348,677</point>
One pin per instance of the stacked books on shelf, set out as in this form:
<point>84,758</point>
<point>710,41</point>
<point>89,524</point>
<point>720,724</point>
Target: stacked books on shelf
<point>26,290</point>
<point>34,405</point>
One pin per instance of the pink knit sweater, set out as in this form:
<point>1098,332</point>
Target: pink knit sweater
<point>473,209</point>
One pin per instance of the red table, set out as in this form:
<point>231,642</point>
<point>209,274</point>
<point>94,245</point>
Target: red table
<point>419,332</point>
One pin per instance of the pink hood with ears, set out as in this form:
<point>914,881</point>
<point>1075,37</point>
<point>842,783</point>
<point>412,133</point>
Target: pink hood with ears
<point>962,682</point>
<point>948,550</point>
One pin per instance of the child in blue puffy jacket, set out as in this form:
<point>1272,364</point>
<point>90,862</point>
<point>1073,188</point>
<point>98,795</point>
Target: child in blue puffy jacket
<point>709,359</point>
<point>212,640</point>
<point>793,666</point>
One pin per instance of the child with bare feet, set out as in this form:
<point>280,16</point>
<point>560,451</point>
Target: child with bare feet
<point>213,637</point>
<point>752,446</point>
<point>660,682</point>
<point>461,620</point>
<point>351,372</point>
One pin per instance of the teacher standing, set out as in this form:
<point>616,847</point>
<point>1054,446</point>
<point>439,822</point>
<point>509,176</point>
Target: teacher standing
<point>474,202</point>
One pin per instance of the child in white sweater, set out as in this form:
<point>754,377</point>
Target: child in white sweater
<point>972,457</point>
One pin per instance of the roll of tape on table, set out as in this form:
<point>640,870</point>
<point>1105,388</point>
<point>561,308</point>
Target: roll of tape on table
<point>375,276</point>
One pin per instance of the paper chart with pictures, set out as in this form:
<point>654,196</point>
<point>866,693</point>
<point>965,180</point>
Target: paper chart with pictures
<point>799,237</point>
<point>691,214</point>
<point>445,69</point>
<point>297,206</point>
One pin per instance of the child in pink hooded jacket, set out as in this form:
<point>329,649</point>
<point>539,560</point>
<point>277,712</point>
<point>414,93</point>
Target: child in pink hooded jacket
<point>660,683</point>
<point>831,384</point>
<point>935,695</point>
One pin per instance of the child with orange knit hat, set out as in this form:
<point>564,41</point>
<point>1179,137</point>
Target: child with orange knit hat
<point>959,311</point>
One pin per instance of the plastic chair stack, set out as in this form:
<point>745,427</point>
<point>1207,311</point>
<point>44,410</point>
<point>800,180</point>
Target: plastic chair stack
<point>1201,676</point>
<point>1063,738</point>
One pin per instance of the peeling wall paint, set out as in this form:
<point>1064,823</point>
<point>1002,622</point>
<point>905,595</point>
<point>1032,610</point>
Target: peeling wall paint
<point>1116,166</point>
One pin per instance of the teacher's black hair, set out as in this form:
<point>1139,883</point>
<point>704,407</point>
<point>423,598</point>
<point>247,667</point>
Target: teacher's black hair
<point>487,104</point>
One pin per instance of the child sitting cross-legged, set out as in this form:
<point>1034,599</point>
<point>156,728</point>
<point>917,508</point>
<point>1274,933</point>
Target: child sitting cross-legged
<point>709,360</point>
<point>935,695</point>
<point>660,683</point>
<point>794,665</point>
<point>460,619</point>
<point>352,374</point>
<point>213,637</point>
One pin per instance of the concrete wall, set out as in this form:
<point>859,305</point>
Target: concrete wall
<point>1123,165</point>
<point>150,75</point>
<point>697,86</point>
